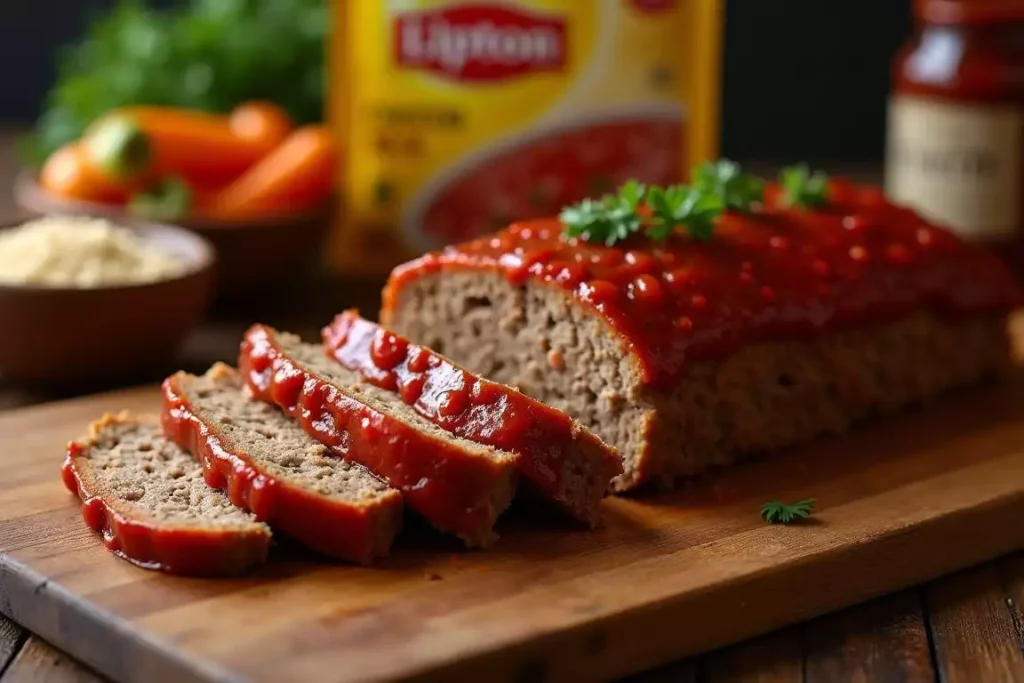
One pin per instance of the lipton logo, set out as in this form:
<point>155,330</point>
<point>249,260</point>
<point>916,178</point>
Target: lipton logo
<point>480,42</point>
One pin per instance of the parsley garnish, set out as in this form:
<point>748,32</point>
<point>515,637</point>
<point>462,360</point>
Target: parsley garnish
<point>660,211</point>
<point>725,179</point>
<point>681,206</point>
<point>612,218</point>
<point>775,512</point>
<point>802,188</point>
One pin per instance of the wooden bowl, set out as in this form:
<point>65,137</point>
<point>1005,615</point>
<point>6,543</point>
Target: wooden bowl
<point>252,257</point>
<point>59,335</point>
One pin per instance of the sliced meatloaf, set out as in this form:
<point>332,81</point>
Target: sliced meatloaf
<point>148,499</point>
<point>457,485</point>
<point>270,466</point>
<point>563,459</point>
<point>786,325</point>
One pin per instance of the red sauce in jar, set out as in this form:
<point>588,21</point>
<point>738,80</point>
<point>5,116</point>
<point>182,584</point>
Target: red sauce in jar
<point>956,120</point>
<point>771,274</point>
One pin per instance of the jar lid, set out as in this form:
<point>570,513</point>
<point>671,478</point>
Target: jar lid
<point>969,11</point>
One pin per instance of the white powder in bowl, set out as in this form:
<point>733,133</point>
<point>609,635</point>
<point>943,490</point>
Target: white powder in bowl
<point>63,251</point>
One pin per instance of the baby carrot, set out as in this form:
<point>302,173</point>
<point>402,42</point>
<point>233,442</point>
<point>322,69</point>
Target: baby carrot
<point>260,122</point>
<point>198,146</point>
<point>69,173</point>
<point>297,175</point>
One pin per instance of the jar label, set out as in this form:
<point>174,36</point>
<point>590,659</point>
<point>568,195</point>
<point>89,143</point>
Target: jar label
<point>958,165</point>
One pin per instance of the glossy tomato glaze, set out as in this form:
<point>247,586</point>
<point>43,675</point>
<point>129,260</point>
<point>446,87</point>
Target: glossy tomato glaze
<point>188,552</point>
<point>333,527</point>
<point>451,489</point>
<point>775,273</point>
<point>464,404</point>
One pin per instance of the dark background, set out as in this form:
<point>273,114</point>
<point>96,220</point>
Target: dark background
<point>803,79</point>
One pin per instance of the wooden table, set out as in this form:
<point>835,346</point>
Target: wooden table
<point>964,628</point>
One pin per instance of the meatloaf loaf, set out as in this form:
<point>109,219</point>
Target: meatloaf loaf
<point>267,464</point>
<point>564,460</point>
<point>149,500</point>
<point>787,324</point>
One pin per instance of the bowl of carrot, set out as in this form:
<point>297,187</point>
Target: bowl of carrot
<point>260,189</point>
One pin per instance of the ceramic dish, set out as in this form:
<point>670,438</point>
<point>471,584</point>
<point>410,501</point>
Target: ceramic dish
<point>57,335</point>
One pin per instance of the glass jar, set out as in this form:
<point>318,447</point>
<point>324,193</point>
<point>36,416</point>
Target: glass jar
<point>956,120</point>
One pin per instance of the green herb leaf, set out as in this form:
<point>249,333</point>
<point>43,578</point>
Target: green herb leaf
<point>601,220</point>
<point>775,512</point>
<point>802,188</point>
<point>726,180</point>
<point>632,193</point>
<point>716,188</point>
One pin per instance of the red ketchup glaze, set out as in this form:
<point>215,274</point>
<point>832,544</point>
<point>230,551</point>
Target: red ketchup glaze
<point>448,487</point>
<point>464,404</point>
<point>775,273</point>
<point>341,529</point>
<point>187,552</point>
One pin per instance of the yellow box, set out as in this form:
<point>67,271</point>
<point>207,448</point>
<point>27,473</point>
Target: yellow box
<point>459,117</point>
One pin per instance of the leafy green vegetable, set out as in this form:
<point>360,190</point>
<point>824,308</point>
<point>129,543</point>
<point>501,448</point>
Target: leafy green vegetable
<point>775,512</point>
<point>726,180</point>
<point>609,219</point>
<point>716,187</point>
<point>679,206</point>
<point>207,54</point>
<point>615,217</point>
<point>802,188</point>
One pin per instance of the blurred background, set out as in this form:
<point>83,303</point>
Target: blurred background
<point>802,79</point>
<point>312,145</point>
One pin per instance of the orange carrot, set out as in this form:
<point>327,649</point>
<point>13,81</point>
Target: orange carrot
<point>263,123</point>
<point>299,174</point>
<point>70,174</point>
<point>199,146</point>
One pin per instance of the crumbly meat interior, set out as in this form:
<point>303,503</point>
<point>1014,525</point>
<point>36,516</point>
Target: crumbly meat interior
<point>275,441</point>
<point>136,464</point>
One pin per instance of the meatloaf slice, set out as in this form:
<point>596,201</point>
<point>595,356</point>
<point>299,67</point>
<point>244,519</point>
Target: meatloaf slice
<point>270,466</point>
<point>148,499</point>
<point>457,485</point>
<point>686,355</point>
<point>563,459</point>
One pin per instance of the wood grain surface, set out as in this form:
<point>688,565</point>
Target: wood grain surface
<point>39,662</point>
<point>11,638</point>
<point>900,502</point>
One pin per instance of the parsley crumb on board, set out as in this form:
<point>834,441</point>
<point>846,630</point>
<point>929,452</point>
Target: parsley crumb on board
<point>776,512</point>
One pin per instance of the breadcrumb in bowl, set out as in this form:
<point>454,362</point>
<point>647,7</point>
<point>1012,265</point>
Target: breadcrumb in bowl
<point>109,303</point>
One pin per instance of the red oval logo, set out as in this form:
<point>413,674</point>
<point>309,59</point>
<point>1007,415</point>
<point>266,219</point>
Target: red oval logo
<point>479,42</point>
<point>653,6</point>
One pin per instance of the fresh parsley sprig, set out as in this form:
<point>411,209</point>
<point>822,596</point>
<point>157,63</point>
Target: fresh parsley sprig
<point>726,180</point>
<point>679,206</point>
<point>803,188</point>
<point>776,512</point>
<point>661,211</point>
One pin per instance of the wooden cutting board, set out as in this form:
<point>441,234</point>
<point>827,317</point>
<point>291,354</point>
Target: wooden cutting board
<point>899,502</point>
